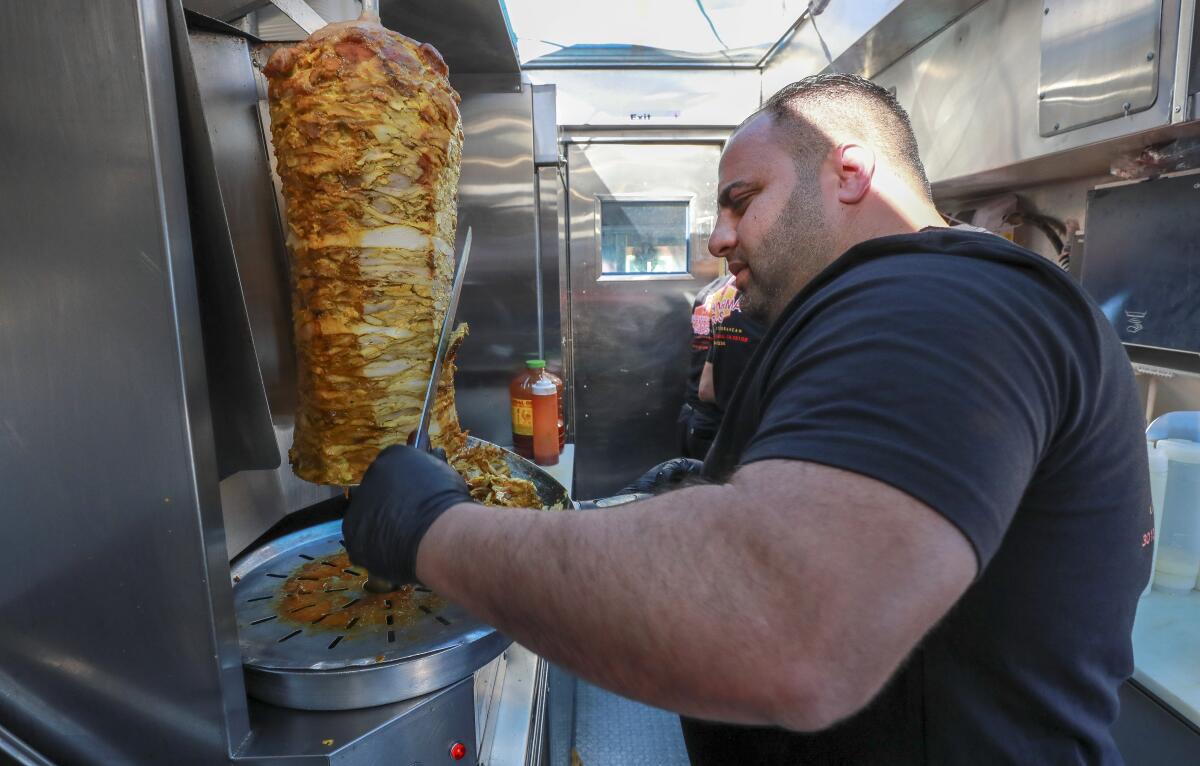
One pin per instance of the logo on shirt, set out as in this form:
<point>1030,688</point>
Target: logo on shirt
<point>701,320</point>
<point>723,301</point>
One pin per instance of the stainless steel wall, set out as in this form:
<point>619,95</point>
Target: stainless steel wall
<point>972,93</point>
<point>499,300</point>
<point>809,49</point>
<point>117,643</point>
<point>630,338</point>
<point>226,146</point>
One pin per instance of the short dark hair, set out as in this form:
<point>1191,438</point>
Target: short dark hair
<point>853,103</point>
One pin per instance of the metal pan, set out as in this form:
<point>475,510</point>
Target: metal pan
<point>314,667</point>
<point>552,493</point>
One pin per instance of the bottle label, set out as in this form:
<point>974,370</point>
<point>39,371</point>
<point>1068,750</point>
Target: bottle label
<point>522,417</point>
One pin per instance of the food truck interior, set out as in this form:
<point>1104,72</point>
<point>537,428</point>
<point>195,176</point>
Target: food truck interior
<point>150,386</point>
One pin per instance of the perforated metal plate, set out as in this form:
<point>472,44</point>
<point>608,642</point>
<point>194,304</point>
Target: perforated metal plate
<point>312,638</point>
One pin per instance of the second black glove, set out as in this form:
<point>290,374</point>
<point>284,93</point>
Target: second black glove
<point>666,476</point>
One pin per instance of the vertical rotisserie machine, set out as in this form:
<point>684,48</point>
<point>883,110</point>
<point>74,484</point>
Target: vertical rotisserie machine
<point>147,386</point>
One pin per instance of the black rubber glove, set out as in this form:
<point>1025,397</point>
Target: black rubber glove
<point>403,492</point>
<point>667,476</point>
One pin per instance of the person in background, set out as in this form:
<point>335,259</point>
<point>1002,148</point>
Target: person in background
<point>733,340</point>
<point>699,417</point>
<point>723,342</point>
<point>925,521</point>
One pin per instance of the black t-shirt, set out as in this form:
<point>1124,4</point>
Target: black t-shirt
<point>735,336</point>
<point>981,380</point>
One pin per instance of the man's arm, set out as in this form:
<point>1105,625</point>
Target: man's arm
<point>707,391</point>
<point>785,597</point>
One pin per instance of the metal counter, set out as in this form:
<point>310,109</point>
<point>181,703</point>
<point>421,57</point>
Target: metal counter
<point>512,729</point>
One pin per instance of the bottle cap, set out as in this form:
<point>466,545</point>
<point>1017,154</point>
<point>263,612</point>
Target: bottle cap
<point>535,364</point>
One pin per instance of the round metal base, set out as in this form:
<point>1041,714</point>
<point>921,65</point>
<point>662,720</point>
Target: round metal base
<point>312,637</point>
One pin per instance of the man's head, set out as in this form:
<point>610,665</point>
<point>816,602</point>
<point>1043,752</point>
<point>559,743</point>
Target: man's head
<point>827,162</point>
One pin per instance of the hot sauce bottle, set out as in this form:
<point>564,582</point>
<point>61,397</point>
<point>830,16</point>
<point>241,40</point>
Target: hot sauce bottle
<point>545,421</point>
<point>520,391</point>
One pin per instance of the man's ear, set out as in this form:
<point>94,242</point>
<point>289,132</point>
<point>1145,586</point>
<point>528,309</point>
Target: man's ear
<point>855,167</point>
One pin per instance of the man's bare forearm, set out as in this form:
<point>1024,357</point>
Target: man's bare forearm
<point>634,598</point>
<point>787,596</point>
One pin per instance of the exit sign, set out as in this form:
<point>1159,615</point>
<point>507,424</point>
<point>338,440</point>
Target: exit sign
<point>654,116</point>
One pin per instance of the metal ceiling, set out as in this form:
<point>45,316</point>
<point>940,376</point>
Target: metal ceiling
<point>473,36</point>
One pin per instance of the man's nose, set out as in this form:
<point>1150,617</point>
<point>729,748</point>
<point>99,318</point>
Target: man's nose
<point>722,240</point>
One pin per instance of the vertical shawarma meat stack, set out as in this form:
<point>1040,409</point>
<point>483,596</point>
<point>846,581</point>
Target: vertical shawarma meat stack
<point>368,140</point>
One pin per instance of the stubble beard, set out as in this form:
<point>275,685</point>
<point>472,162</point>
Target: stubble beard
<point>793,251</point>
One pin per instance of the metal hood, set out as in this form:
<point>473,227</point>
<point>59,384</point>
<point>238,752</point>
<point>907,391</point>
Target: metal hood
<point>474,36</point>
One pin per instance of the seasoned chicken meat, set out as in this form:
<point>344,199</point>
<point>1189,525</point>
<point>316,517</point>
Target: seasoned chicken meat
<point>368,140</point>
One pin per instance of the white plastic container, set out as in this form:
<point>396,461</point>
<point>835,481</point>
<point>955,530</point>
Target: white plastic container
<point>1158,490</point>
<point>1178,563</point>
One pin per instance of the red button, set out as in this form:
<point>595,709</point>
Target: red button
<point>458,751</point>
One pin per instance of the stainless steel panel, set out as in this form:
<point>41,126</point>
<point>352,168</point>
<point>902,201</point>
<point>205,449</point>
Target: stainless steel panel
<point>514,725</point>
<point>972,94</point>
<point>301,14</point>
<point>224,10</point>
<point>545,155</point>
<point>473,36</point>
<point>230,95</point>
<point>560,714</point>
<point>563,207</point>
<point>252,500</point>
<point>553,270</point>
<point>117,643</point>
<point>630,338</point>
<point>834,32</point>
<point>419,731</point>
<point>897,33</point>
<point>1099,61</point>
<point>241,418</point>
<point>488,684</point>
<point>652,97</point>
<point>545,126</point>
<point>274,23</point>
<point>1187,64</point>
<point>500,301</point>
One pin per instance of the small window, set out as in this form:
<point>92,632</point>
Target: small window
<point>643,237</point>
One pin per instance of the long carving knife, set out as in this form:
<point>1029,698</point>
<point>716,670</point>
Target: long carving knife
<point>420,439</point>
<point>421,435</point>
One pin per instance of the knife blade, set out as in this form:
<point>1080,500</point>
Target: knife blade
<point>421,435</point>
<point>420,438</point>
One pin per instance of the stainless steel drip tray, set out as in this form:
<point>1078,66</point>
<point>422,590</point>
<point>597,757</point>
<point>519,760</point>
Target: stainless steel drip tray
<point>312,638</point>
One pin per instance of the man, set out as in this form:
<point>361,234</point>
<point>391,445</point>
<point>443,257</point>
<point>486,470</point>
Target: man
<point>923,537</point>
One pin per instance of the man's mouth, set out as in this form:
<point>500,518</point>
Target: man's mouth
<point>738,269</point>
